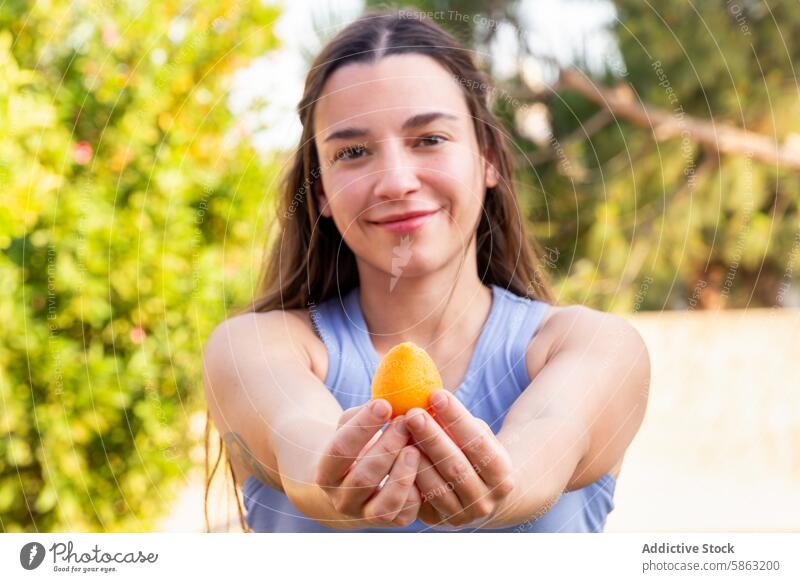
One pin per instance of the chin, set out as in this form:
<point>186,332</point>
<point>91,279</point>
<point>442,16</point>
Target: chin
<point>418,265</point>
<point>414,258</point>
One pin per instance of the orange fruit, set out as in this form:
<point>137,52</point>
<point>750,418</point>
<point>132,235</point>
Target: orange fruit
<point>406,376</point>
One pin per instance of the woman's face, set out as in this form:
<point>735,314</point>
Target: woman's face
<point>394,138</point>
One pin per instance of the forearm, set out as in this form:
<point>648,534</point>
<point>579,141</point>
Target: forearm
<point>298,446</point>
<point>544,454</point>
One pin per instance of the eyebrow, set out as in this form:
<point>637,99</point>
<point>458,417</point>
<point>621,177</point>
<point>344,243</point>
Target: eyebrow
<point>415,121</point>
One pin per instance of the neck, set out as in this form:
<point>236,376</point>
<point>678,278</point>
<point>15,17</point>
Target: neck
<point>446,303</point>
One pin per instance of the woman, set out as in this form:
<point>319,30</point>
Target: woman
<point>399,223</point>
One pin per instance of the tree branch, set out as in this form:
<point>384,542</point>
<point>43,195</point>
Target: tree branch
<point>724,138</point>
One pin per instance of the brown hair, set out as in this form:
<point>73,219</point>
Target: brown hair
<point>297,271</point>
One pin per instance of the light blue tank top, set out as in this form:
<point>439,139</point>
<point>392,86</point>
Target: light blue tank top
<point>496,376</point>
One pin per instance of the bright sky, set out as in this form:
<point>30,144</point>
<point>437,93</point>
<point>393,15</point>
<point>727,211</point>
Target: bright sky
<point>266,93</point>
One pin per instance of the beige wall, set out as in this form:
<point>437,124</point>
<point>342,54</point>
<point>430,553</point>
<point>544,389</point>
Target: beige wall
<point>719,448</point>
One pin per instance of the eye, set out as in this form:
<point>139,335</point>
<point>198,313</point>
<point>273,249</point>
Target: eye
<point>432,140</point>
<point>352,152</point>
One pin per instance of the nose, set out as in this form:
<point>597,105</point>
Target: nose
<point>396,176</point>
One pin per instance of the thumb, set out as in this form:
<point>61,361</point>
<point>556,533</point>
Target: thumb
<point>347,415</point>
<point>350,413</point>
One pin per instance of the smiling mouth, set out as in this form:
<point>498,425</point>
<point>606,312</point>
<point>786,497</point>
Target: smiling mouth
<point>407,224</point>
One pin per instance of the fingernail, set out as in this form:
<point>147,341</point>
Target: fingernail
<point>439,400</point>
<point>411,457</point>
<point>400,426</point>
<point>417,421</point>
<point>379,408</point>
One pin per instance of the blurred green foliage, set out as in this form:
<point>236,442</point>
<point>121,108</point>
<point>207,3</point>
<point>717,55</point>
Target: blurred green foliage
<point>123,180</point>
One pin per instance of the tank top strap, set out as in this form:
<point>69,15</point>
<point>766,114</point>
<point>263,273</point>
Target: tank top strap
<point>517,321</point>
<point>348,377</point>
<point>527,316</point>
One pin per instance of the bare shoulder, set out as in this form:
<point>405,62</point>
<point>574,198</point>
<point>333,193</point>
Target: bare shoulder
<point>541,346</point>
<point>250,332</point>
<point>577,327</point>
<point>277,332</point>
<point>612,358</point>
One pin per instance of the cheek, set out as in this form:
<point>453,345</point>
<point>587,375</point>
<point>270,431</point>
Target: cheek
<point>462,197</point>
<point>345,201</point>
<point>458,176</point>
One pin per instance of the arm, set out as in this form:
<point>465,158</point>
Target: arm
<point>579,414</point>
<point>265,400</point>
<point>570,426</point>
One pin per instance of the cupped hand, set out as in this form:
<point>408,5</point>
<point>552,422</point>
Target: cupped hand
<point>358,459</point>
<point>465,472</point>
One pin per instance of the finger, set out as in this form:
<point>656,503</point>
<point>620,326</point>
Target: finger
<point>390,500</point>
<point>369,444</point>
<point>410,510</point>
<point>434,491</point>
<point>349,440</point>
<point>486,454</point>
<point>366,475</point>
<point>348,414</point>
<point>429,515</point>
<point>446,457</point>
<point>456,420</point>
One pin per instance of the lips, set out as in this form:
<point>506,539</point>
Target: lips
<point>407,221</point>
<point>404,216</point>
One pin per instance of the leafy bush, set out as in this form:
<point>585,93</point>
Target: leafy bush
<point>127,228</point>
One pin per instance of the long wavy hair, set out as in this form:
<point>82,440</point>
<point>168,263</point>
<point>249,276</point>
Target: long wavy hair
<point>297,272</point>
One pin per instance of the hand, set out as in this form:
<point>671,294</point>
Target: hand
<point>465,472</point>
<point>357,460</point>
